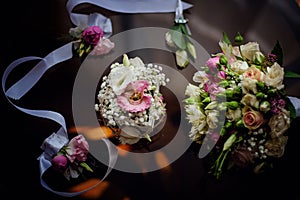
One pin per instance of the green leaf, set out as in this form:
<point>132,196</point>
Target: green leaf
<point>290,74</point>
<point>277,50</point>
<point>289,106</point>
<point>86,166</point>
<point>225,38</point>
<point>183,29</point>
<point>178,38</point>
<point>176,27</point>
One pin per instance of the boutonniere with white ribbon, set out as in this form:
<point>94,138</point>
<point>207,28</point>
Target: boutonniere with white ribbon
<point>177,38</point>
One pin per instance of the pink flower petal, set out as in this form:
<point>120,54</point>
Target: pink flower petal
<point>124,103</point>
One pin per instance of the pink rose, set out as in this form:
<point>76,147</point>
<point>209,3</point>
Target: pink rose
<point>92,34</point>
<point>59,163</point>
<point>77,149</point>
<point>254,73</point>
<point>252,119</point>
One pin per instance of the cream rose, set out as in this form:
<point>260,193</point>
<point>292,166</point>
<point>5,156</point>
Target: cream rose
<point>239,66</point>
<point>249,84</point>
<point>252,119</point>
<point>279,123</point>
<point>254,73</point>
<point>249,49</point>
<point>250,100</point>
<point>275,76</point>
<point>233,115</point>
<point>276,146</point>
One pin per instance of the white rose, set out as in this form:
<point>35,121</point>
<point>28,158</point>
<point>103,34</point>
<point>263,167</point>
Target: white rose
<point>233,115</point>
<point>239,66</point>
<point>279,123</point>
<point>249,84</point>
<point>250,100</point>
<point>276,146</point>
<point>249,49</point>
<point>274,76</point>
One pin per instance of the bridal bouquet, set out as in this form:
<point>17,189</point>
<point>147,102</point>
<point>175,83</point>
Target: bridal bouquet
<point>239,110</point>
<point>130,101</point>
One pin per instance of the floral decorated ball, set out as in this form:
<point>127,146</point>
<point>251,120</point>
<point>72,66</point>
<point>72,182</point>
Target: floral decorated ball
<point>130,100</point>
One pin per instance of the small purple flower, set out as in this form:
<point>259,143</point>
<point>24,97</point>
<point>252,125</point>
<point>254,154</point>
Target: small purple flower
<point>92,35</point>
<point>59,163</point>
<point>271,57</point>
<point>277,105</point>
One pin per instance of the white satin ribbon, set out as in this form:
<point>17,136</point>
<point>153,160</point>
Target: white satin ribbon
<point>57,140</point>
<point>53,144</point>
<point>132,6</point>
<point>296,103</point>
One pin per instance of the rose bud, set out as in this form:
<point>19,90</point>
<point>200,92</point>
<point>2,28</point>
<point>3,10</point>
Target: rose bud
<point>238,39</point>
<point>223,60</point>
<point>182,58</point>
<point>59,163</point>
<point>192,50</point>
<point>258,58</point>
<point>264,106</point>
